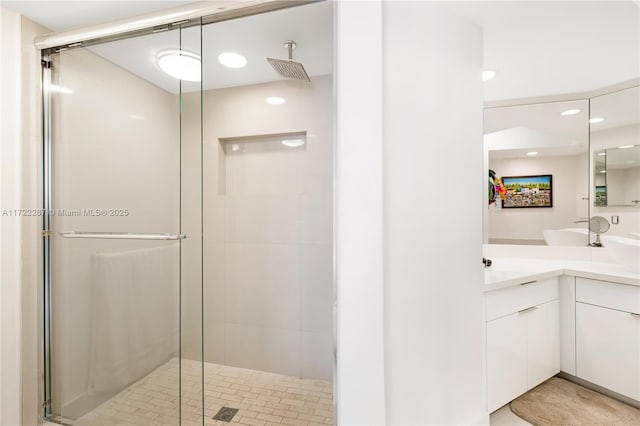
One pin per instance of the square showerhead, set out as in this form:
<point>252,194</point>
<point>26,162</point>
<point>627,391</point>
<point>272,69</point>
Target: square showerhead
<point>289,69</point>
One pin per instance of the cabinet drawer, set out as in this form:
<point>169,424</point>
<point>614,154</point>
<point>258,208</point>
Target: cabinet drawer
<point>609,295</point>
<point>513,299</point>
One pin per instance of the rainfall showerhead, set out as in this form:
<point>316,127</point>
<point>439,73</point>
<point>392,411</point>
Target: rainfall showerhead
<point>289,69</point>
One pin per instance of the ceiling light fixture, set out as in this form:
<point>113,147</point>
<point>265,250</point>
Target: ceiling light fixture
<point>595,120</point>
<point>626,146</point>
<point>570,112</point>
<point>532,153</point>
<point>488,75</point>
<point>275,100</point>
<point>180,64</point>
<point>293,143</point>
<point>603,171</point>
<point>602,153</point>
<point>232,60</point>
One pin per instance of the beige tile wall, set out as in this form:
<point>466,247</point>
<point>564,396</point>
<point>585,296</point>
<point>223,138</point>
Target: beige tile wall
<point>268,231</point>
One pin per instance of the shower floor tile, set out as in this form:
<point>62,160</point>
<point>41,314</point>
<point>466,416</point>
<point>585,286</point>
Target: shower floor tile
<point>262,399</point>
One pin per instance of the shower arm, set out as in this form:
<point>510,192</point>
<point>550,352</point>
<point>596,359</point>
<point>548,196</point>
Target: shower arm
<point>290,45</point>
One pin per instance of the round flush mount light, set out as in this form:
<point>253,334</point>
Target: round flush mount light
<point>595,120</point>
<point>570,112</point>
<point>275,100</point>
<point>293,143</point>
<point>180,64</point>
<point>488,75</point>
<point>232,60</point>
<point>532,153</point>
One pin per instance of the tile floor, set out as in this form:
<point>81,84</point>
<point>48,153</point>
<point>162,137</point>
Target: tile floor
<point>263,399</point>
<point>505,417</point>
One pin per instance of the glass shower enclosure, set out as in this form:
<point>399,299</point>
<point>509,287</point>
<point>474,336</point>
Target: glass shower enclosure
<point>188,245</point>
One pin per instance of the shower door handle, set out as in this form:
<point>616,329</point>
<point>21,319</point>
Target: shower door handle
<point>121,236</point>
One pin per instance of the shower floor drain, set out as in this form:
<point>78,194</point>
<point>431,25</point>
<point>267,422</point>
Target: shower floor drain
<point>225,414</point>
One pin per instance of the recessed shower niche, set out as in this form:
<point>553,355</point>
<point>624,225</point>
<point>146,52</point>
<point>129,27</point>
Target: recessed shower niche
<point>269,164</point>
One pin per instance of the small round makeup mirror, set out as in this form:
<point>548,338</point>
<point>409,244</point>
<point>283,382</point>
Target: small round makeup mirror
<point>598,225</point>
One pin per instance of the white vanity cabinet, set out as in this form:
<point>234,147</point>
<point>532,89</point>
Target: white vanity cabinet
<point>608,335</point>
<point>523,339</point>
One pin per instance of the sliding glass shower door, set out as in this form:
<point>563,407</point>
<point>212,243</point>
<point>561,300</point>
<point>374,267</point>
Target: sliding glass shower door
<point>123,229</point>
<point>163,148</point>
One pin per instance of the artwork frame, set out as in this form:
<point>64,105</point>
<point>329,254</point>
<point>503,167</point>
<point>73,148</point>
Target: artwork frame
<point>528,191</point>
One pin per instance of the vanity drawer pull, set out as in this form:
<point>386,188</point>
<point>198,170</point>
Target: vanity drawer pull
<point>523,311</point>
<point>528,282</point>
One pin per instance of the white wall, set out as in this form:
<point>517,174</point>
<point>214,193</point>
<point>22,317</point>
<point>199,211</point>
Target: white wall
<point>10,198</point>
<point>570,186</point>
<point>31,240</point>
<point>629,217</point>
<point>432,63</point>
<point>360,382</point>
<point>432,310</point>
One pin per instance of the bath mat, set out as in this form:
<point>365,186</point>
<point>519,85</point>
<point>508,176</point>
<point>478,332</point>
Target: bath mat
<point>561,402</point>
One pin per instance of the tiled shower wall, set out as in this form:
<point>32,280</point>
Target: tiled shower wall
<point>268,290</point>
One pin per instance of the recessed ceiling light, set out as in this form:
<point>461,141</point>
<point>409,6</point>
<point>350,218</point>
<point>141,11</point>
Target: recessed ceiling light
<point>293,143</point>
<point>625,146</point>
<point>595,120</point>
<point>532,153</point>
<point>570,112</point>
<point>603,171</point>
<point>602,153</point>
<point>275,100</point>
<point>180,64</point>
<point>232,60</point>
<point>488,75</point>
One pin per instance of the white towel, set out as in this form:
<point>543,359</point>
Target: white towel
<point>135,315</point>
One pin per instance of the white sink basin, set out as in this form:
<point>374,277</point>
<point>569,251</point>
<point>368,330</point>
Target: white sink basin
<point>625,251</point>
<point>566,237</point>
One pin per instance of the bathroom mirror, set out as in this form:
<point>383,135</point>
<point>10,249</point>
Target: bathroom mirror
<point>615,146</point>
<point>616,176</point>
<point>549,138</point>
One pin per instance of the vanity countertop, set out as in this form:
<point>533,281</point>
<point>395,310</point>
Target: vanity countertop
<point>506,272</point>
